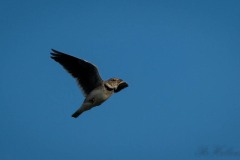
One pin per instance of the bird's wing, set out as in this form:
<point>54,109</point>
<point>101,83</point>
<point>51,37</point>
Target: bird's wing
<point>86,73</point>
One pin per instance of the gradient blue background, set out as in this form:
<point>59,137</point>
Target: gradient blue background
<point>180,58</point>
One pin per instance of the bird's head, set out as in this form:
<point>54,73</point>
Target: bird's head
<point>115,84</point>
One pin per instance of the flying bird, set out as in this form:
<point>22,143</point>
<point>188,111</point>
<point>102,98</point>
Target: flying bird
<point>95,90</point>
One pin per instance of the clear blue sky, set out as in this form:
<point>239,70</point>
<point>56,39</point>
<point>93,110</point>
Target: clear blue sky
<point>180,58</point>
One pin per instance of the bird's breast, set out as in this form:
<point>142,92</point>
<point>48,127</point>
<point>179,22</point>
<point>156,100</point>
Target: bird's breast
<point>100,95</point>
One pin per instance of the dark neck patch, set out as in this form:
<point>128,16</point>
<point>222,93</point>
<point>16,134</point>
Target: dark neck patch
<point>108,88</point>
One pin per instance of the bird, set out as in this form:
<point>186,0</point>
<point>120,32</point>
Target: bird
<point>95,90</point>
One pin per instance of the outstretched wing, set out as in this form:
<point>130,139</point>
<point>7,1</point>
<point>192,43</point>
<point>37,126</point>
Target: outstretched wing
<point>86,73</point>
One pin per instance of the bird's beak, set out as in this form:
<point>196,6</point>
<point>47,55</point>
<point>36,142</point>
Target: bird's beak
<point>121,86</point>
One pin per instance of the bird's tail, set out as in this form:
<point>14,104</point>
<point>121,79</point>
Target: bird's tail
<point>82,109</point>
<point>77,113</point>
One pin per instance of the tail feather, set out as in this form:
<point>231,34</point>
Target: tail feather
<point>77,113</point>
<point>83,108</point>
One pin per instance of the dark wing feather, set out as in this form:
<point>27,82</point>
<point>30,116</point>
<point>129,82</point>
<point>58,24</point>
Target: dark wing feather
<point>86,73</point>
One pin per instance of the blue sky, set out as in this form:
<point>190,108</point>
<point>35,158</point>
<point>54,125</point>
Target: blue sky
<point>180,58</point>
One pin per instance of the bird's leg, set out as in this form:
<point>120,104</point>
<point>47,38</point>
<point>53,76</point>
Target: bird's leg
<point>92,100</point>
